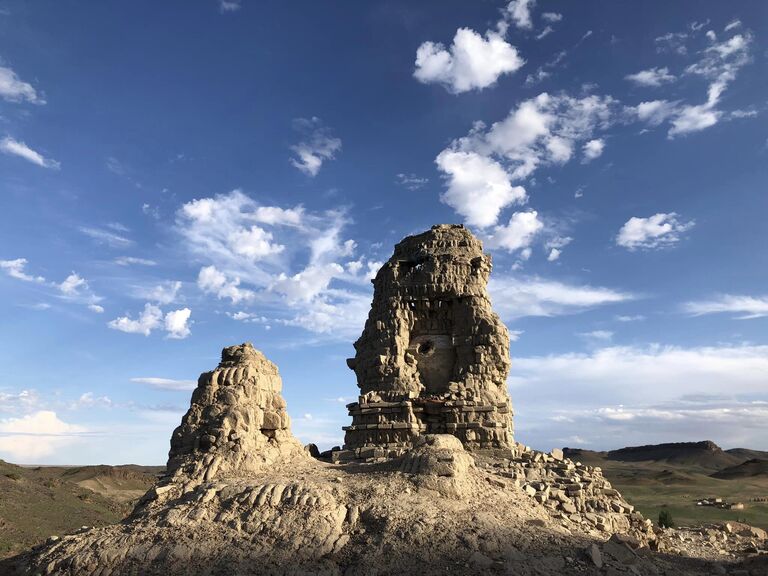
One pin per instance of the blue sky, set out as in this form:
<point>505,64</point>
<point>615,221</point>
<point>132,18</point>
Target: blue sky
<point>177,177</point>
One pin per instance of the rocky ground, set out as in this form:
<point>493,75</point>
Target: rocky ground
<point>438,510</point>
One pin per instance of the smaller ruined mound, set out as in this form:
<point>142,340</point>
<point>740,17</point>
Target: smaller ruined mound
<point>439,462</point>
<point>236,423</point>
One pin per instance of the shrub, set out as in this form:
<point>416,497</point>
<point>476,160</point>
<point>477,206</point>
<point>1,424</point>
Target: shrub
<point>665,519</point>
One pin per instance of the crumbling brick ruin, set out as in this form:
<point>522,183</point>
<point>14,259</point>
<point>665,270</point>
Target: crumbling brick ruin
<point>237,421</point>
<point>433,357</point>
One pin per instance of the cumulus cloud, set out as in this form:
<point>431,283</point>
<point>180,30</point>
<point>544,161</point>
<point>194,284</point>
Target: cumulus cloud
<point>177,323</point>
<point>472,62</point>
<point>518,233</point>
<point>652,77</point>
<point>657,231</point>
<point>16,148</point>
<point>312,281</point>
<point>13,89</point>
<point>478,186</point>
<point>655,112</point>
<point>149,319</point>
<point>15,269</point>
<point>593,149</point>
<point>28,438</point>
<point>317,145</point>
<point>518,297</point>
<point>745,307</point>
<point>480,168</point>
<point>213,281</point>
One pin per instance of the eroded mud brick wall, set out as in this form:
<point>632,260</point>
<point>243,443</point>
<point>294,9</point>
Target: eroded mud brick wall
<point>433,357</point>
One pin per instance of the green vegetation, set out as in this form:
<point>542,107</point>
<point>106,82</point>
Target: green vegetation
<point>665,519</point>
<point>36,503</point>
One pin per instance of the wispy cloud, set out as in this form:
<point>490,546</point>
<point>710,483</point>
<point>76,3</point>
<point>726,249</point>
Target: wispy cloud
<point>166,383</point>
<point>111,239</point>
<point>16,148</point>
<point>744,307</point>
<point>517,297</point>
<point>652,77</point>
<point>13,89</point>
<point>317,145</point>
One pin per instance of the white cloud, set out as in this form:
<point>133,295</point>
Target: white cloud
<point>733,24</point>
<point>317,145</point>
<point>164,293</point>
<point>314,282</point>
<point>131,260</point>
<point>213,281</point>
<point>520,13</point>
<point>16,148</point>
<point>544,33</point>
<point>411,181</point>
<point>652,77</point>
<point>15,269</point>
<point>672,42</point>
<point>747,307</point>
<point>470,63</point>
<point>540,131</point>
<point>150,318</point>
<point>89,400</point>
<point>657,231</point>
<point>72,284</point>
<point>518,297</point>
<point>629,318</point>
<point>102,236</point>
<point>597,336</point>
<point>656,111</point>
<point>667,393</point>
<point>13,89</point>
<point>554,254</point>
<point>518,233</point>
<point>166,383</point>
<point>34,436</point>
<point>593,149</point>
<point>75,288</point>
<point>552,16</point>
<point>718,64</point>
<point>177,323</point>
<point>229,6</point>
<point>478,187</point>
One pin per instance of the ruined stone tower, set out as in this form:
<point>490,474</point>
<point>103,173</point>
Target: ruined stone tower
<point>433,357</point>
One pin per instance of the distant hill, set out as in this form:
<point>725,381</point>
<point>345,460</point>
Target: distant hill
<point>748,469</point>
<point>37,502</point>
<point>704,454</point>
<point>674,477</point>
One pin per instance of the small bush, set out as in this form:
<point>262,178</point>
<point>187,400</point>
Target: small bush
<point>665,519</point>
<point>13,475</point>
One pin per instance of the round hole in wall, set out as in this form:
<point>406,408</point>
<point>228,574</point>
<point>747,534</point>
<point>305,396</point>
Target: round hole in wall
<point>426,347</point>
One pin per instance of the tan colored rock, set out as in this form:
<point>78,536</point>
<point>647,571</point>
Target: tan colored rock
<point>434,357</point>
<point>236,423</point>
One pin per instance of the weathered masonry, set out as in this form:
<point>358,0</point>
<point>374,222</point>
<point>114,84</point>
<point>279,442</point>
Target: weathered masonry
<point>433,357</point>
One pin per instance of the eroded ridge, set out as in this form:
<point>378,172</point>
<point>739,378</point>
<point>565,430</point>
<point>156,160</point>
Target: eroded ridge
<point>433,357</point>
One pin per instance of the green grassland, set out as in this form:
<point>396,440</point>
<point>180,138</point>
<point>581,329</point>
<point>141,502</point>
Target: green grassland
<point>653,486</point>
<point>36,503</point>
